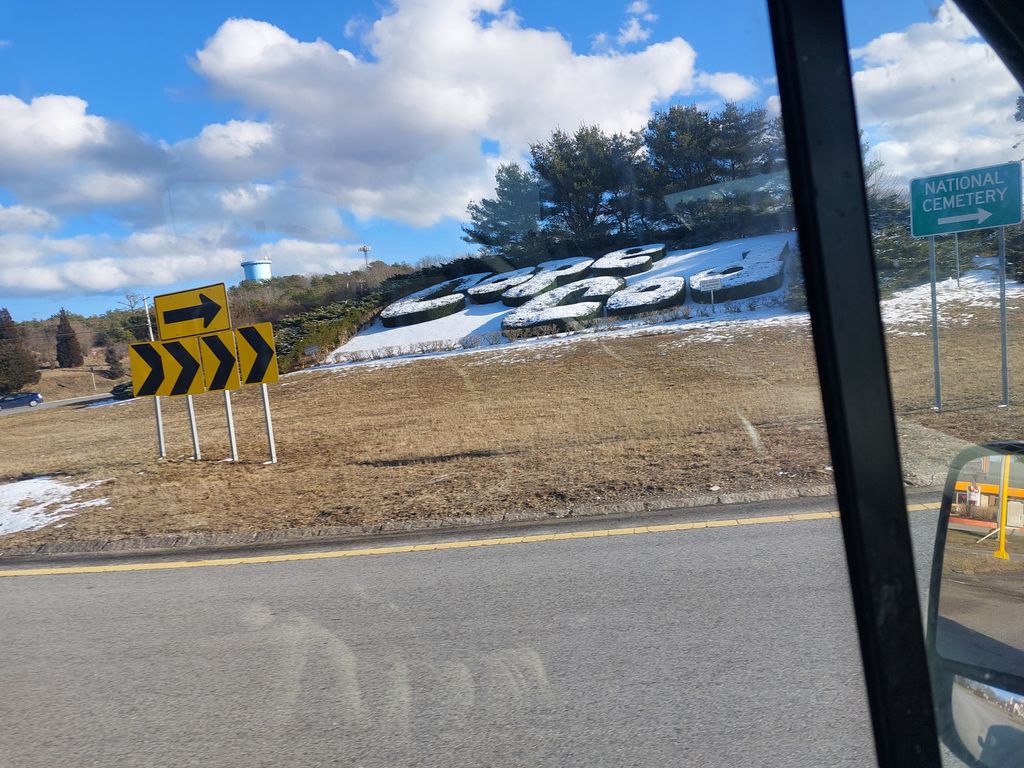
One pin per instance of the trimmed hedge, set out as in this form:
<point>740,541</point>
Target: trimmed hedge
<point>648,296</point>
<point>550,275</point>
<point>490,290</point>
<point>431,303</point>
<point>565,306</point>
<point>761,274</point>
<point>628,261</point>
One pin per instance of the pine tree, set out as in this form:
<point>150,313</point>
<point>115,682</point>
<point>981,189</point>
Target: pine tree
<point>115,369</point>
<point>69,351</point>
<point>17,364</point>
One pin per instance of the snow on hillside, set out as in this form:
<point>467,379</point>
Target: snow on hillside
<point>910,309</point>
<point>28,505</point>
<point>482,322</point>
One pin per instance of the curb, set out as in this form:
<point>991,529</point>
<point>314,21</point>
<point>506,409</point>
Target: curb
<point>290,536</point>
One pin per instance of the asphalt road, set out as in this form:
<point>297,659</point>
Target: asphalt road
<point>730,646</point>
<point>47,404</point>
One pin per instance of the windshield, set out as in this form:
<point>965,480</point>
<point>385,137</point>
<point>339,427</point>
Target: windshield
<point>432,383</point>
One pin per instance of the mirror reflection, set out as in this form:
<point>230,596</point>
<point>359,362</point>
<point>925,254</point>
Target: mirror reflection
<point>981,600</point>
<point>989,722</point>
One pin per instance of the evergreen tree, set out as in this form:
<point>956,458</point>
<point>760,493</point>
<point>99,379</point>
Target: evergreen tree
<point>740,144</point>
<point>578,172</point>
<point>17,364</point>
<point>112,357</point>
<point>510,216</point>
<point>69,351</point>
<point>680,145</point>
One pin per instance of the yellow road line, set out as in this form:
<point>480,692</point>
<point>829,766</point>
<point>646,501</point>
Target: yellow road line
<point>394,550</point>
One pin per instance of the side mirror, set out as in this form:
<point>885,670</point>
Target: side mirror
<point>976,607</point>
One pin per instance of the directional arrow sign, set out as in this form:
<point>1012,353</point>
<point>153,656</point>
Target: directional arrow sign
<point>257,357</point>
<point>220,363</point>
<point>166,368</point>
<point>960,201</point>
<point>191,313</point>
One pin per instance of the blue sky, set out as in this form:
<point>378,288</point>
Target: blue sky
<point>149,146</point>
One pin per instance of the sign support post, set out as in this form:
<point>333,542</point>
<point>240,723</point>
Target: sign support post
<point>231,425</point>
<point>161,445</point>
<point>956,253</point>
<point>935,326</point>
<point>196,456</point>
<point>270,425</point>
<point>1002,316</point>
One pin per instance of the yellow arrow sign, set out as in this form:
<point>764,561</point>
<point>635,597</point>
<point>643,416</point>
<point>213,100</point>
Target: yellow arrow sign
<point>257,357</point>
<point>192,313</point>
<point>166,368</point>
<point>220,361</point>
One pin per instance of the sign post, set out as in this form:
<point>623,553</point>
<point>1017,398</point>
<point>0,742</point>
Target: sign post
<point>1002,316</point>
<point>201,352</point>
<point>711,284</point>
<point>964,201</point>
<point>160,443</point>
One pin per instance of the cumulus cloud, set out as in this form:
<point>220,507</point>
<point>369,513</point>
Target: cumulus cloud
<point>22,218</point>
<point>395,133</point>
<point>398,134</point>
<point>934,96</point>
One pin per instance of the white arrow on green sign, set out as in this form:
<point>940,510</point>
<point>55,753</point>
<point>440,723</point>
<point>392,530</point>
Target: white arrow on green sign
<point>959,201</point>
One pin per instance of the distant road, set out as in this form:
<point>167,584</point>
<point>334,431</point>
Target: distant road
<point>46,404</point>
<point>715,647</point>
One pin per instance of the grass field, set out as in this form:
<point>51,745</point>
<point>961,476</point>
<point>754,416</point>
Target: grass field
<point>602,419</point>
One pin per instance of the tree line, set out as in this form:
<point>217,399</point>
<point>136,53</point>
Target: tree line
<point>586,190</point>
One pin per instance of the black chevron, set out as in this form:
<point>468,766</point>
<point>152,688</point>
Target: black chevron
<point>225,361</point>
<point>264,354</point>
<point>155,378</point>
<point>189,367</point>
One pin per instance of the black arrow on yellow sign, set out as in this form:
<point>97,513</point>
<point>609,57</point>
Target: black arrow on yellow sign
<point>189,367</point>
<point>264,354</point>
<point>225,362</point>
<point>205,310</point>
<point>156,369</point>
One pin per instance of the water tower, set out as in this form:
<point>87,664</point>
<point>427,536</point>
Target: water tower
<point>257,269</point>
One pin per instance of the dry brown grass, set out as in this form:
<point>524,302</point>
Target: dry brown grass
<point>599,420</point>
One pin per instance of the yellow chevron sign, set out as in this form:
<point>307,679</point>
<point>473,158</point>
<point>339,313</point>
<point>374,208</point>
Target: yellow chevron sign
<point>192,313</point>
<point>257,357</point>
<point>166,368</point>
<point>220,361</point>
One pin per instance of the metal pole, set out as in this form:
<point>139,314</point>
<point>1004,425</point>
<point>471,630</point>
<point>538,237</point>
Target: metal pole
<point>712,301</point>
<point>956,250</point>
<point>231,425</point>
<point>161,445</point>
<point>935,326</point>
<point>1004,487</point>
<point>196,455</point>
<point>1002,315</point>
<point>270,425</point>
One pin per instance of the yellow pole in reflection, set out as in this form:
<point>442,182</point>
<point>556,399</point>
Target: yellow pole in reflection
<point>1001,553</point>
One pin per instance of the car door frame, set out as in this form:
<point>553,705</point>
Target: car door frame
<point>834,232</point>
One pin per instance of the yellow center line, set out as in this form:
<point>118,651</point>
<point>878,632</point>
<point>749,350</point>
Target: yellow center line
<point>394,550</point>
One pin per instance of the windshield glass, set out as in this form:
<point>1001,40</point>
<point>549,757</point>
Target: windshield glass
<point>424,383</point>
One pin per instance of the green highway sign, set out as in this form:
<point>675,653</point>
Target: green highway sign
<point>960,201</point>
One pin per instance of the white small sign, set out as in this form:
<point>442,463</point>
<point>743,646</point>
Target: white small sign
<point>711,284</point>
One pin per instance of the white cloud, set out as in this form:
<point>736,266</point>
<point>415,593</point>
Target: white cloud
<point>729,85</point>
<point>935,97</point>
<point>773,104</point>
<point>398,134</point>
<point>21,218</point>
<point>5,43</point>
<point>632,32</point>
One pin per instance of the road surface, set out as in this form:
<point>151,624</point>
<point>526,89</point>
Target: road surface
<point>713,647</point>
<point>47,404</point>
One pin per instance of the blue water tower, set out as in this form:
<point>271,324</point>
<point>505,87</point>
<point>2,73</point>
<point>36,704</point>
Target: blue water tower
<point>257,269</point>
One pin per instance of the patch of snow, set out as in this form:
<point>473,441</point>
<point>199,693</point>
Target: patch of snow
<point>482,322</point>
<point>490,290</point>
<point>28,505</point>
<point>446,295</point>
<point>979,289</point>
